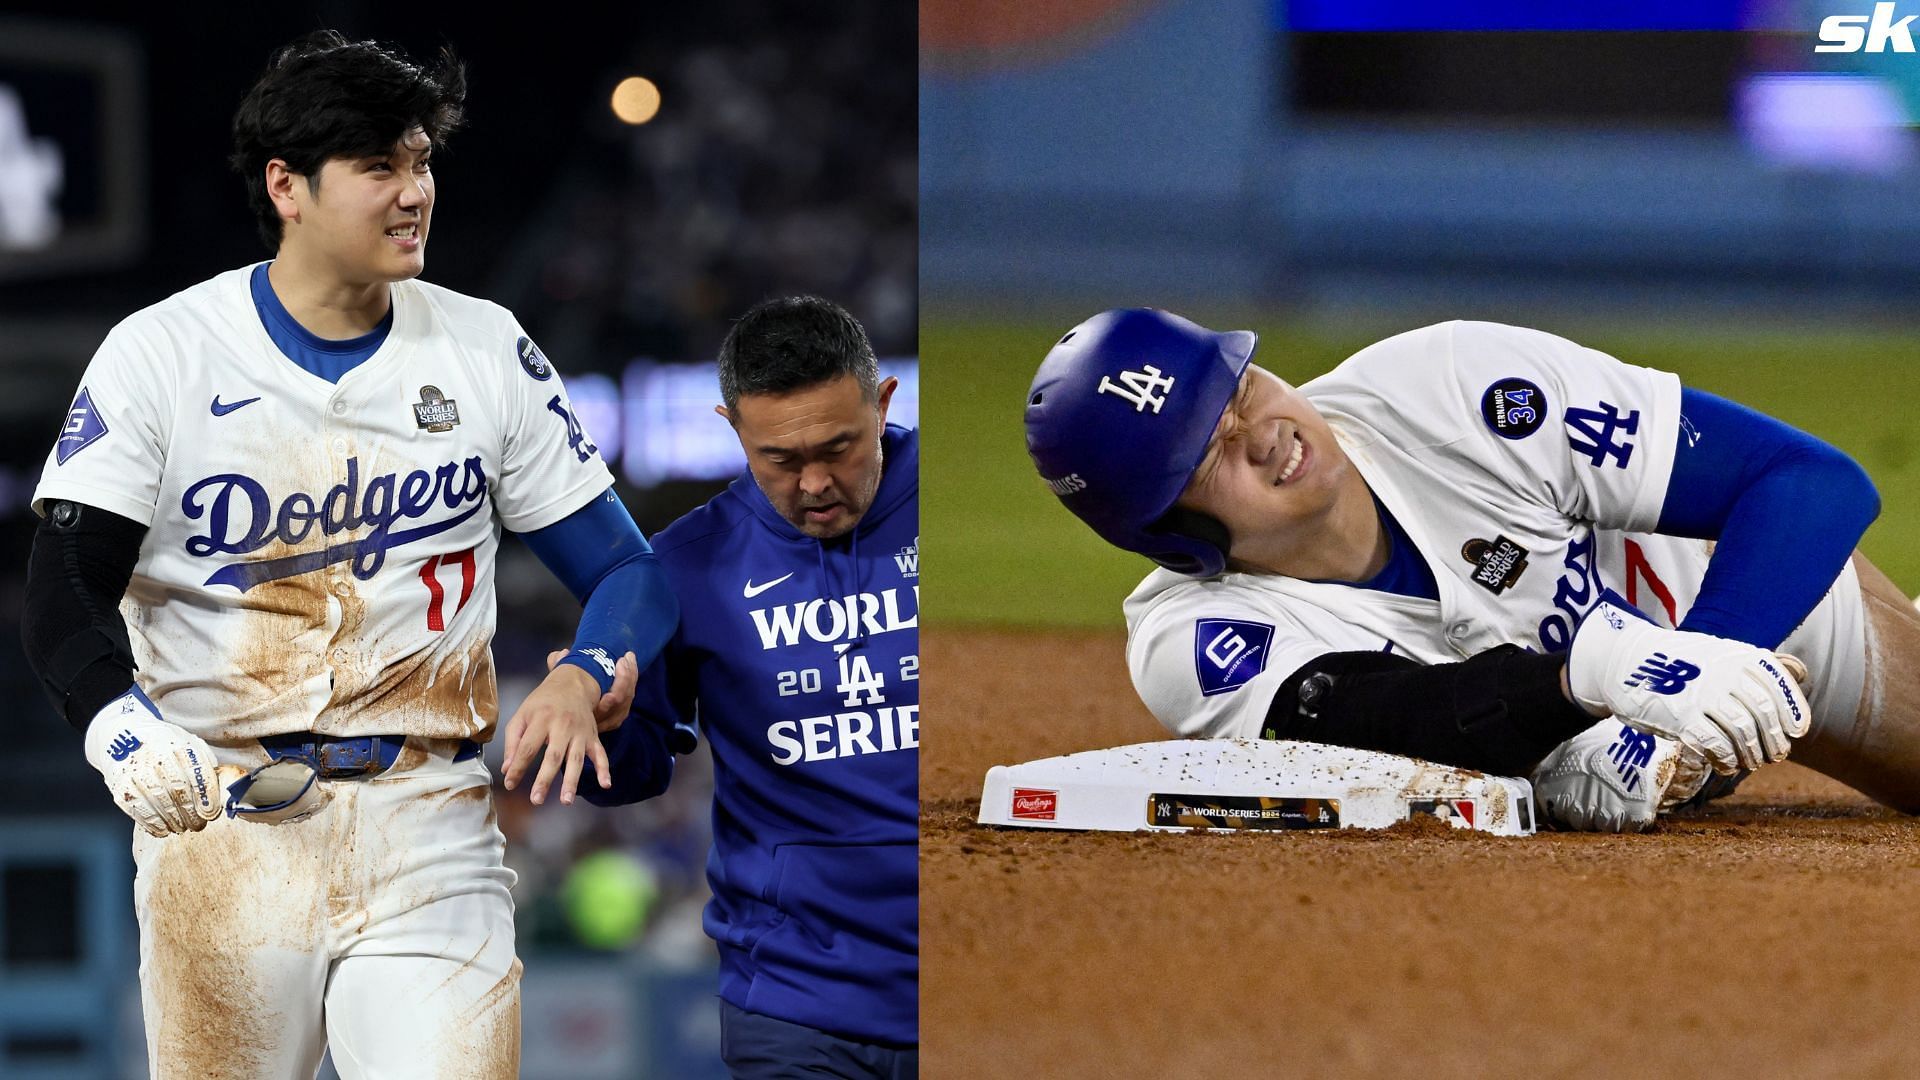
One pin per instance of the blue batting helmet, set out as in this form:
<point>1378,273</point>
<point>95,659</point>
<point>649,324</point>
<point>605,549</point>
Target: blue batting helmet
<point>1118,419</point>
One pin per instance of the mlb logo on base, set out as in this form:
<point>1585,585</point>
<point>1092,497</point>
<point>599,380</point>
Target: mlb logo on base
<point>1034,804</point>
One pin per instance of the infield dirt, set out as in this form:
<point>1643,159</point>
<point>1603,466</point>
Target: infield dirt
<point>1774,934</point>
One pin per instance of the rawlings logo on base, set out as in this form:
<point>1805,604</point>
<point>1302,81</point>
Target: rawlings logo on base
<point>1032,804</point>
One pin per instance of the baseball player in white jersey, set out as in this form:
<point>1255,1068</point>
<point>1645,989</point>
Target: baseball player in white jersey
<point>279,496</point>
<point>1468,542</point>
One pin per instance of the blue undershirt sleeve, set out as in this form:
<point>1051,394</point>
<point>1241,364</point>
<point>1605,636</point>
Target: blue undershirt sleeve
<point>1786,509</point>
<point>597,552</point>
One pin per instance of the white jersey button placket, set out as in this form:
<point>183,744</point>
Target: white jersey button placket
<point>1457,636</point>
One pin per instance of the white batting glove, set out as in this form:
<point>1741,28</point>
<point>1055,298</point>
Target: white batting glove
<point>1611,778</point>
<point>160,774</point>
<point>1732,703</point>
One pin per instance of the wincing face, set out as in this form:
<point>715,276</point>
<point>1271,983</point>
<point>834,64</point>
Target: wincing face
<point>364,219</point>
<point>1273,474</point>
<point>815,451</point>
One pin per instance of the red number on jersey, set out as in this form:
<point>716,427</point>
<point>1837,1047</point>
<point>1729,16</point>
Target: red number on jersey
<point>1637,568</point>
<point>436,596</point>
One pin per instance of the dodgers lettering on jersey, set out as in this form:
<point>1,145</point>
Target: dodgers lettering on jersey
<point>242,518</point>
<point>1525,469</point>
<point>319,555</point>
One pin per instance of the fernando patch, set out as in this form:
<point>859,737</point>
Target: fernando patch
<point>83,427</point>
<point>533,360</point>
<point>1227,653</point>
<point>1513,408</point>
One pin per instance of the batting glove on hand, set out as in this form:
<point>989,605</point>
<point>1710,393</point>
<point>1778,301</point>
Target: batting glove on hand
<point>160,774</point>
<point>1732,703</point>
<point>1611,778</point>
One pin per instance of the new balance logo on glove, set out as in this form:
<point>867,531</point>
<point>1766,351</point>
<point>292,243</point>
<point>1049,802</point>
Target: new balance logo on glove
<point>122,745</point>
<point>1662,675</point>
<point>1631,751</point>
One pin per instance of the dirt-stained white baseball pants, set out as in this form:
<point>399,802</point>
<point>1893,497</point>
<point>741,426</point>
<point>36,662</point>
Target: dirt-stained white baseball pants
<point>1879,753</point>
<point>381,926</point>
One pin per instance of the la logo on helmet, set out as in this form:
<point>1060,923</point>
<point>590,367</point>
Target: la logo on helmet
<point>1139,387</point>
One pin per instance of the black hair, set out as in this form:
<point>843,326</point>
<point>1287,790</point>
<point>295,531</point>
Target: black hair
<point>324,97</point>
<point>794,342</point>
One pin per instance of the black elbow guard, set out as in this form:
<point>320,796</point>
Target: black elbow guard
<point>1500,711</point>
<point>74,637</point>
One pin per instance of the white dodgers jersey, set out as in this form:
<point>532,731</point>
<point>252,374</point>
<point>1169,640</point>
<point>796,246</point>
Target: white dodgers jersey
<point>1527,471</point>
<point>320,556</point>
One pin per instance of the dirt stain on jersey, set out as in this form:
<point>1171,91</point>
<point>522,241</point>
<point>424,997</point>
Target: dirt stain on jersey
<point>277,654</point>
<point>435,691</point>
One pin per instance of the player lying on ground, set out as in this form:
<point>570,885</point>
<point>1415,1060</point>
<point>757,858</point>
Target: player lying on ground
<point>1468,542</point>
<point>279,495</point>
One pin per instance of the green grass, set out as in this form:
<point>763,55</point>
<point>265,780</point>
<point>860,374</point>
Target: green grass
<point>1004,552</point>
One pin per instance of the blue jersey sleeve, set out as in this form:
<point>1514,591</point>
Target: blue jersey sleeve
<point>599,554</point>
<point>1786,509</point>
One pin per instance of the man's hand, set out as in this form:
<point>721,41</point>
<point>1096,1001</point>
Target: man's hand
<point>561,714</point>
<point>1733,703</point>
<point>614,705</point>
<point>161,775</point>
<point>565,713</point>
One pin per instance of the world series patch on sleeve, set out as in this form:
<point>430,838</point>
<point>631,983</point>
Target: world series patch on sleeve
<point>1181,785</point>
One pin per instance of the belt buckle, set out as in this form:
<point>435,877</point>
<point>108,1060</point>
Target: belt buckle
<point>347,759</point>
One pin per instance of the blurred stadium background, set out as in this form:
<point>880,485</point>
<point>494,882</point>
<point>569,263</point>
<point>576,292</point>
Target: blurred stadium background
<point>1684,184</point>
<point>781,159</point>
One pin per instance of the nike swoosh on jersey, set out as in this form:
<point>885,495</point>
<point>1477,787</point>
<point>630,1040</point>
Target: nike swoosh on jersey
<point>222,410</point>
<point>753,590</point>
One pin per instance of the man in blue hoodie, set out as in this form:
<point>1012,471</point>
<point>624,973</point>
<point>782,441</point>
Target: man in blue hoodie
<point>798,653</point>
